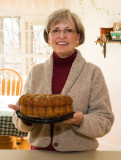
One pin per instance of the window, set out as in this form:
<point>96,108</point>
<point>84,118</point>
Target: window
<point>11,35</point>
<point>10,42</point>
<point>21,44</point>
<point>39,45</point>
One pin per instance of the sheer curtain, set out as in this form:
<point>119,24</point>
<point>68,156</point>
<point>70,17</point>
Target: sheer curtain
<point>30,4</point>
<point>31,10</point>
<point>32,13</point>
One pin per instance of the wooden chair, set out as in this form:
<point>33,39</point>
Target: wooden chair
<point>10,85</point>
<point>8,142</point>
<point>11,82</point>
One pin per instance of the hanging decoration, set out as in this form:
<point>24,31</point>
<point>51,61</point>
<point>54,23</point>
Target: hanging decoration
<point>97,8</point>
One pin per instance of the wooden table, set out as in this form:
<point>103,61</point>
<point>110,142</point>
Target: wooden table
<point>48,155</point>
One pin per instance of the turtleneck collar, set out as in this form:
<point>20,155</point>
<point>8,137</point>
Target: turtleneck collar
<point>59,60</point>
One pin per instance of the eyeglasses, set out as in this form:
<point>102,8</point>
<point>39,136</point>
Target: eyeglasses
<point>67,31</point>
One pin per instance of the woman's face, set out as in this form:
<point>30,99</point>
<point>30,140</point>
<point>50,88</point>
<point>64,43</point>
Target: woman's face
<point>63,38</point>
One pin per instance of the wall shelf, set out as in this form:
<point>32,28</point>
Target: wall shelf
<point>103,44</point>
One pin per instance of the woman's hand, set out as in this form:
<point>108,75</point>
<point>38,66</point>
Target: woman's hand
<point>14,107</point>
<point>76,120</point>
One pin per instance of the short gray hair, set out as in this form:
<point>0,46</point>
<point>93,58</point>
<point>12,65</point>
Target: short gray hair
<point>63,15</point>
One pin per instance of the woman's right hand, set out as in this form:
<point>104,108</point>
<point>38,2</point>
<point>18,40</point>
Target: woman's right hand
<point>14,107</point>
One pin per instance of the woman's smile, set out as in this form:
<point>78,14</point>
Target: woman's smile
<point>62,43</point>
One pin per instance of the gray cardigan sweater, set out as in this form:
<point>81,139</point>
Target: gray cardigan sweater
<point>86,85</point>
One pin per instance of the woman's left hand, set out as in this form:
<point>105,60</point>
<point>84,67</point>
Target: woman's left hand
<point>76,120</point>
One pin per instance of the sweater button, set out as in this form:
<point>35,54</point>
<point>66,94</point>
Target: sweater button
<point>55,144</point>
<point>57,128</point>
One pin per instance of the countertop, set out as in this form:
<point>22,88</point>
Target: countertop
<point>48,155</point>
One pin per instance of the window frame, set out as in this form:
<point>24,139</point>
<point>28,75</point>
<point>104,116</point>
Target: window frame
<point>26,53</point>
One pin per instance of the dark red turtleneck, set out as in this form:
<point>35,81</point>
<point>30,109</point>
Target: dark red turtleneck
<point>61,68</point>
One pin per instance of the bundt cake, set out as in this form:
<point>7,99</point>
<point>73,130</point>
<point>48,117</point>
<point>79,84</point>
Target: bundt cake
<point>45,106</point>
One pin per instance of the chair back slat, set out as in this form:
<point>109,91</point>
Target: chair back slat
<point>3,86</point>
<point>18,87</point>
<point>13,86</point>
<point>8,85</point>
<point>10,82</point>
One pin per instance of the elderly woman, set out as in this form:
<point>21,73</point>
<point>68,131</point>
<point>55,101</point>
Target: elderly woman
<point>67,72</point>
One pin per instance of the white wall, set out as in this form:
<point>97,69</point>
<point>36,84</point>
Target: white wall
<point>112,141</point>
<point>93,20</point>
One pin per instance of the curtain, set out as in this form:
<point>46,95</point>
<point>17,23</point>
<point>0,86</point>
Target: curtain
<point>30,4</point>
<point>33,11</point>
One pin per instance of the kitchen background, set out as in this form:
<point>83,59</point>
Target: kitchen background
<point>94,15</point>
